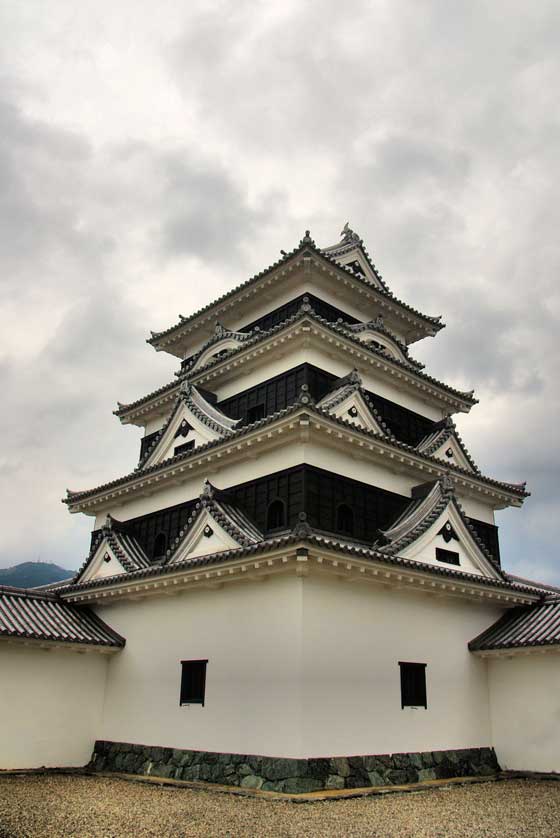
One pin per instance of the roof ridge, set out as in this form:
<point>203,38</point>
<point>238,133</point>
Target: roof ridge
<point>306,243</point>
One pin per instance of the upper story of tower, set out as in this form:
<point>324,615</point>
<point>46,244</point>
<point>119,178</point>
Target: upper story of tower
<point>343,277</point>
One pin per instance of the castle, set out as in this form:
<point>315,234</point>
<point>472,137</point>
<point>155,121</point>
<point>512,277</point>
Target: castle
<point>299,586</point>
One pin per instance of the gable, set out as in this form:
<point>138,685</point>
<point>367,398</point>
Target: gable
<point>205,536</point>
<point>355,410</point>
<point>450,451</point>
<point>194,422</point>
<point>104,562</point>
<point>450,533</point>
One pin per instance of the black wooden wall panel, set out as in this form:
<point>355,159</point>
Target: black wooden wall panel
<point>146,441</point>
<point>303,488</point>
<point>407,426</point>
<point>278,315</point>
<point>488,534</point>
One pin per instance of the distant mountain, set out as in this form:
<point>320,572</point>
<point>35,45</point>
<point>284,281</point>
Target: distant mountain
<point>31,574</point>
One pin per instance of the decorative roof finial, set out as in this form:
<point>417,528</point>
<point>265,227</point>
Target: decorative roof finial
<point>307,239</point>
<point>207,490</point>
<point>348,235</point>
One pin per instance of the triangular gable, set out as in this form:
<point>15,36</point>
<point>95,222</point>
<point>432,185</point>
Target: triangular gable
<point>214,526</point>
<point>113,553</point>
<point>193,422</point>
<point>435,531</point>
<point>347,401</point>
<point>444,443</point>
<point>350,253</point>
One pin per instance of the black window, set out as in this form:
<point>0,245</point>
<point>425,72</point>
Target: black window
<point>160,545</point>
<point>413,684</point>
<point>447,556</point>
<point>345,519</point>
<point>193,682</point>
<point>255,413</point>
<point>276,515</point>
<point>181,449</point>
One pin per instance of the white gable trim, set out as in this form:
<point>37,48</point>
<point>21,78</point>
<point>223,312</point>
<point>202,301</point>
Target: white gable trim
<point>363,418</point>
<point>471,557</point>
<point>201,433</point>
<point>208,354</point>
<point>198,543</point>
<point>98,567</point>
<point>458,456</point>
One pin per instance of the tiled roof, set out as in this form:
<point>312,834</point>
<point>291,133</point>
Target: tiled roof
<point>74,496</point>
<point>306,311</point>
<point>303,534</point>
<point>306,245</point>
<point>533,625</point>
<point>29,615</point>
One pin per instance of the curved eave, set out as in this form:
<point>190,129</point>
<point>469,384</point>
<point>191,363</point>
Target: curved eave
<point>271,432</point>
<point>417,324</point>
<point>300,554</point>
<point>447,396</point>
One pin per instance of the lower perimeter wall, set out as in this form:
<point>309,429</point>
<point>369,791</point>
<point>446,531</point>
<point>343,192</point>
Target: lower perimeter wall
<point>292,776</point>
<point>51,702</point>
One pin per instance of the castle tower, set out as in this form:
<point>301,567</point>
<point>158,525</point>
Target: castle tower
<point>305,547</point>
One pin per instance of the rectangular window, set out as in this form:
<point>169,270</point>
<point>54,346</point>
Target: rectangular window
<point>413,684</point>
<point>255,413</point>
<point>447,556</point>
<point>181,449</point>
<point>193,682</point>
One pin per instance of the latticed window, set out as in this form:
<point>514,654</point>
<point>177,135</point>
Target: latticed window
<point>276,515</point>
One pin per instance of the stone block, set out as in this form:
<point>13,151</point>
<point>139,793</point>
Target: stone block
<point>426,774</point>
<point>301,785</point>
<point>280,769</point>
<point>339,765</point>
<point>251,781</point>
<point>334,781</point>
<point>376,779</point>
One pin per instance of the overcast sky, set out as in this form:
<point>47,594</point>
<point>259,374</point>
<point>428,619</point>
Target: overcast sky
<point>152,156</point>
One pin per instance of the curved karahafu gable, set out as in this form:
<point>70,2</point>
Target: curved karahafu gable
<point>374,334</point>
<point>113,552</point>
<point>222,341</point>
<point>214,526</point>
<point>348,401</point>
<point>193,422</point>
<point>433,529</point>
<point>446,444</point>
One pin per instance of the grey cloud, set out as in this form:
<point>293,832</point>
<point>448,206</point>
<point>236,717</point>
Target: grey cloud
<point>434,131</point>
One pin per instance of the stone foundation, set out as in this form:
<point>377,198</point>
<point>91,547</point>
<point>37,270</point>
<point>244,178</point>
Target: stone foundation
<point>292,776</point>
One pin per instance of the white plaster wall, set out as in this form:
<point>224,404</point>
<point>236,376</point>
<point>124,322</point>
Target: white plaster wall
<point>250,635</point>
<point>337,362</point>
<point>343,461</point>
<point>50,706</point>
<point>525,709</point>
<point>354,637</point>
<point>298,667</point>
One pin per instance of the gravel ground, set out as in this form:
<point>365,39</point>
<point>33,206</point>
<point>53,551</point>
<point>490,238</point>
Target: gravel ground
<point>96,807</point>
